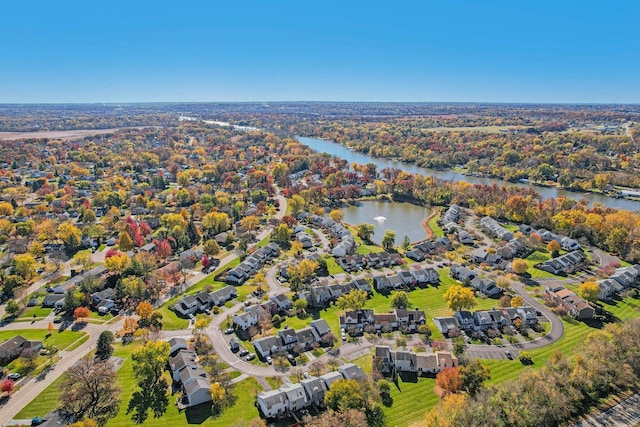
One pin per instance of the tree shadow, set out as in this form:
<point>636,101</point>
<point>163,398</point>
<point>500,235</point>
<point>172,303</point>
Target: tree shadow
<point>149,397</point>
<point>198,414</point>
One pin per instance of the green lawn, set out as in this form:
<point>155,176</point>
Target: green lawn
<point>44,403</point>
<point>433,225</point>
<point>535,258</point>
<point>39,311</point>
<point>332,266</point>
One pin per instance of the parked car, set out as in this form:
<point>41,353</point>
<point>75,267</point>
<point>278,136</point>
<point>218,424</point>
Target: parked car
<point>14,376</point>
<point>251,357</point>
<point>291,359</point>
<point>508,354</point>
<point>269,360</point>
<point>243,352</point>
<point>57,319</point>
<point>228,331</point>
<point>344,334</point>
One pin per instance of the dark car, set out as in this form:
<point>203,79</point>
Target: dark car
<point>243,352</point>
<point>291,359</point>
<point>228,331</point>
<point>508,354</point>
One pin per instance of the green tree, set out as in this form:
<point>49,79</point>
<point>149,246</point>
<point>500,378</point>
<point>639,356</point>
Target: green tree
<point>389,240</point>
<point>104,346</point>
<point>399,299</point>
<point>12,307</point>
<point>354,300</point>
<point>343,395</point>
<point>473,375</point>
<point>365,231</point>
<point>150,360</point>
<point>406,242</point>
<point>460,298</point>
<point>211,247</point>
<point>282,236</point>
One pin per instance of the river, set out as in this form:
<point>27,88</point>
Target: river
<point>353,156</point>
<point>403,218</point>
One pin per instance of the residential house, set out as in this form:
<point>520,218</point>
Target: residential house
<point>465,238</point>
<point>352,372</point>
<point>482,320</point>
<point>577,307</point>
<point>307,336</point>
<point>486,286</point>
<point>564,264</point>
<point>446,324</point>
<point>18,346</point>
<point>331,377</point>
<point>176,345</point>
<point>321,327</point>
<point>50,300</point>
<point>221,296</point>
<point>249,318</point>
<point>494,228</point>
<point>315,389</point>
<point>271,345</point>
<point>296,396</point>
<point>195,392</point>
<point>282,302</point>
<point>528,315</point>
<point>462,274</point>
<point>465,320</point>
<point>272,403</point>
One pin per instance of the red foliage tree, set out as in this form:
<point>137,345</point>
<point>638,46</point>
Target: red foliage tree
<point>449,380</point>
<point>7,385</point>
<point>163,249</point>
<point>289,220</point>
<point>80,313</point>
<point>206,261</point>
<point>111,252</point>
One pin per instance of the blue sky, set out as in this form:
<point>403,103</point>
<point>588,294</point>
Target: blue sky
<point>447,50</point>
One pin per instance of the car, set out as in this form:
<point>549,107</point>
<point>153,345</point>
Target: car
<point>508,354</point>
<point>306,375</point>
<point>57,320</point>
<point>243,352</point>
<point>228,331</point>
<point>49,289</point>
<point>14,376</point>
<point>291,359</point>
<point>269,360</point>
<point>251,357</point>
<point>343,334</point>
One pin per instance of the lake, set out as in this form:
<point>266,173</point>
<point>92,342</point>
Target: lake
<point>352,156</point>
<point>403,218</point>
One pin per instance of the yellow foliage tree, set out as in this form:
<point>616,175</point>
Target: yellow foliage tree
<point>144,310</point>
<point>460,298</point>
<point>589,291</point>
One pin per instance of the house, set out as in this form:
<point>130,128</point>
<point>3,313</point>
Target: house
<point>416,255</point>
<point>465,238</point>
<point>408,361</point>
<point>247,319</point>
<point>18,346</point>
<point>462,274</point>
<point>352,372</point>
<point>176,345</point>
<point>223,295</point>
<point>315,389</point>
<point>482,320</point>
<point>192,304</point>
<point>272,403</point>
<point>408,279</point>
<point>363,285</point>
<point>182,359</point>
<point>97,298</point>
<point>481,255</point>
<point>608,288</point>
<point>446,324</point>
<point>330,377</point>
<point>268,346</point>
<point>195,392</point>
<point>564,264</point>
<point>486,286</point>
<point>381,283</point>
<point>50,300</point>
<point>282,302</point>
<point>500,318</point>
<point>288,339</point>
<point>569,244</point>
<point>465,320</point>
<point>307,336</point>
<point>451,215</point>
<point>494,228</point>
<point>528,315</point>
<point>321,327</point>
<point>627,276</point>
<point>296,396</point>
<point>577,307</point>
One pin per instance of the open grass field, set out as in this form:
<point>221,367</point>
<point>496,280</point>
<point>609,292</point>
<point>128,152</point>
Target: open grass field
<point>332,266</point>
<point>61,339</point>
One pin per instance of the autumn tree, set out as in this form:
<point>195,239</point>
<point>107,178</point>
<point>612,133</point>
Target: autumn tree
<point>211,248</point>
<point>590,291</point>
<point>129,326</point>
<point>516,301</point>
<point>304,270</point>
<point>448,412</point>
<point>460,298</point>
<point>81,313</point>
<point>337,215</point>
<point>449,380</point>
<point>70,235</point>
<point>24,265</point>
<point>89,390</point>
<point>218,395</point>
<point>348,418</point>
<point>282,236</point>
<point>250,222</point>
<point>163,249</point>
<point>125,242</point>
<point>144,310</point>
<point>7,386</point>
<point>553,246</point>
<point>87,422</point>
<point>117,263</point>
<point>344,395</point>
<point>353,300</point>
<point>519,266</point>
